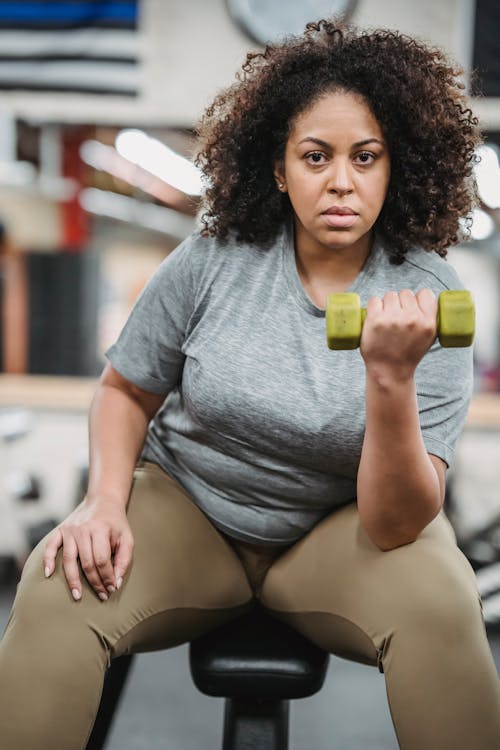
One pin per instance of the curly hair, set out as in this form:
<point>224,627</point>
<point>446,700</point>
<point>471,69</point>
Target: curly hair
<point>416,96</point>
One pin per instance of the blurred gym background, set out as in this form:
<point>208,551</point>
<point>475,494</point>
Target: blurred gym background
<point>98,104</point>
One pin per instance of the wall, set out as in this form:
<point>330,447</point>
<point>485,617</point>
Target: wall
<point>192,49</point>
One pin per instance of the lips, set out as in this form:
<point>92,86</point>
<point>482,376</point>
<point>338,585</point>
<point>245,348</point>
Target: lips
<point>339,221</point>
<point>339,217</point>
<point>339,211</point>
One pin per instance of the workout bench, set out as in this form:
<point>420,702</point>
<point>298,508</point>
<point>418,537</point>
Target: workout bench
<point>256,663</point>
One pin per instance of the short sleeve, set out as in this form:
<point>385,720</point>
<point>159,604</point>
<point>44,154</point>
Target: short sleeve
<point>444,380</point>
<point>148,351</point>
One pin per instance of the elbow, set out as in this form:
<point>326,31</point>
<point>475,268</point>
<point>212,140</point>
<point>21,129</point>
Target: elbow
<point>387,539</point>
<point>397,524</point>
<point>387,535</point>
<point>388,544</point>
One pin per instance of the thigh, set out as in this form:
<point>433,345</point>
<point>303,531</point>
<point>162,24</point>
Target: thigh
<point>347,595</point>
<point>183,578</point>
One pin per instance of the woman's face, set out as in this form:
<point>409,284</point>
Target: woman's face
<point>335,158</point>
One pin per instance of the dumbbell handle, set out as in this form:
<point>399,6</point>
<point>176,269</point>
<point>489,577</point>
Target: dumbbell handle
<point>345,318</point>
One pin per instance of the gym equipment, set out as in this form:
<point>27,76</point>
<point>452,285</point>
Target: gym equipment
<point>23,486</point>
<point>482,549</point>
<point>16,488</point>
<point>345,318</point>
<point>37,531</point>
<point>257,663</point>
<point>488,585</point>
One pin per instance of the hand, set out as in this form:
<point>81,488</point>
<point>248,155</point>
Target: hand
<point>398,331</point>
<point>93,532</point>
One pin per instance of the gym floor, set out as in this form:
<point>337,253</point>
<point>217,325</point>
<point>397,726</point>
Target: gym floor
<point>161,707</point>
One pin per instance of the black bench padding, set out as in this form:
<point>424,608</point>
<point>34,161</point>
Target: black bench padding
<point>257,656</point>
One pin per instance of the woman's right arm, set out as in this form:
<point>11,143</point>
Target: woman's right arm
<point>98,528</point>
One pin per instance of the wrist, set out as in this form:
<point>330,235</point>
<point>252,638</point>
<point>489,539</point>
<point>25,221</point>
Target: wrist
<point>105,499</point>
<point>384,378</point>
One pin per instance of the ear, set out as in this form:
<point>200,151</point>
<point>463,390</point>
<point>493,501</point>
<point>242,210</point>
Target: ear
<point>279,176</point>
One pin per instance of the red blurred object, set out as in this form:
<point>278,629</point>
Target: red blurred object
<point>74,221</point>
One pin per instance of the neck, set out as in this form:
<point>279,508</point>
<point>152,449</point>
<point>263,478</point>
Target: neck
<point>332,267</point>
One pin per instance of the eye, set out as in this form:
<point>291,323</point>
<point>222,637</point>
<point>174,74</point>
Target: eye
<point>365,157</point>
<point>315,157</point>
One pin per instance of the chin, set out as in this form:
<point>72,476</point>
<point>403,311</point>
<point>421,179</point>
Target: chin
<point>340,239</point>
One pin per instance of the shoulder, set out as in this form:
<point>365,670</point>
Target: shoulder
<point>198,247</point>
<point>433,270</point>
<point>201,261</point>
<point>231,254</point>
<point>420,268</point>
<point>191,258</point>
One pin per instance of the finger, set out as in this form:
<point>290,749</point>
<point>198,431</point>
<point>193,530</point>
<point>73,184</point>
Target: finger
<point>427,302</point>
<point>87,562</point>
<point>374,306</point>
<point>429,306</point>
<point>70,565</point>
<point>123,556</point>
<point>54,541</point>
<point>391,301</point>
<point>101,549</point>
<point>408,300</point>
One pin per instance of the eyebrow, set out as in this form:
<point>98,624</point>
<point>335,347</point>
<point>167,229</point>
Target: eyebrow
<point>354,145</point>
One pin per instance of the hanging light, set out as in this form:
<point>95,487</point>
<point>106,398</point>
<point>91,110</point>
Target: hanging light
<point>158,159</point>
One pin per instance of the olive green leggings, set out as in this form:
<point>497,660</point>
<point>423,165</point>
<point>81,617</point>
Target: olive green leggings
<point>413,612</point>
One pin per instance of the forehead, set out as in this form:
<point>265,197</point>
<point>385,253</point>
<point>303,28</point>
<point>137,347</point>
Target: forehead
<point>338,113</point>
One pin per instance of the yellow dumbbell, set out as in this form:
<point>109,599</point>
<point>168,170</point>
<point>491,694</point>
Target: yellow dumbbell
<point>345,318</point>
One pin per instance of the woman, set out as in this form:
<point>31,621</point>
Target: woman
<point>273,468</point>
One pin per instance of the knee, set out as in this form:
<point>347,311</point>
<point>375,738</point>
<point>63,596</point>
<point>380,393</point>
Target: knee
<point>48,630</point>
<point>39,599</point>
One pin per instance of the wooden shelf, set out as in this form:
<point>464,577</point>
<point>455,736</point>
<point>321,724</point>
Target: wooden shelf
<point>47,391</point>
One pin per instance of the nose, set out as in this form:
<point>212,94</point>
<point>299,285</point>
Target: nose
<point>339,178</point>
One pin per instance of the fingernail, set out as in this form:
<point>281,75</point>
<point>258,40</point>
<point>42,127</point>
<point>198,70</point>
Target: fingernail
<point>47,571</point>
<point>119,583</point>
<point>111,589</point>
<point>103,596</point>
<point>76,594</point>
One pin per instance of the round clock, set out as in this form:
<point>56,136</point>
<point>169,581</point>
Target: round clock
<point>266,21</point>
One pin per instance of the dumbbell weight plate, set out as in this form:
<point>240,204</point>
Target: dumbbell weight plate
<point>456,318</point>
<point>344,320</point>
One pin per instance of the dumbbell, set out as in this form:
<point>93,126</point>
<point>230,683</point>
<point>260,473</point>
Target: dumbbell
<point>345,318</point>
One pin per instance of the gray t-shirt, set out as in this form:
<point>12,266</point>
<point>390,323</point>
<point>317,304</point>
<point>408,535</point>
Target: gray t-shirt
<point>263,424</point>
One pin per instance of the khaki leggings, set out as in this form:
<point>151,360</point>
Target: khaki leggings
<point>413,612</point>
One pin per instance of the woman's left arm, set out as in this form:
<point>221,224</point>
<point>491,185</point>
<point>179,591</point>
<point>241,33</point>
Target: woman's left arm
<point>400,485</point>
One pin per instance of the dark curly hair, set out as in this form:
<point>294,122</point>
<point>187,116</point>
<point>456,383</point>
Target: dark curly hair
<point>414,93</point>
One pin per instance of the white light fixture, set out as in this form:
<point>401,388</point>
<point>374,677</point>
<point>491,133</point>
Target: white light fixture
<point>158,159</point>
<point>130,210</point>
<point>98,155</point>
<point>488,175</point>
